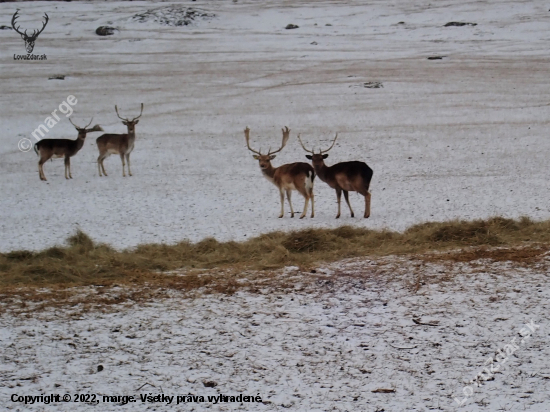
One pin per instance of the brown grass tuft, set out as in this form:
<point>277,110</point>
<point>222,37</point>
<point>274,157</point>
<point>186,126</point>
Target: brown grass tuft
<point>83,262</point>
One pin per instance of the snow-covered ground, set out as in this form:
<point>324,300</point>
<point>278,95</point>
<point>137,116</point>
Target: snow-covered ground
<point>421,330</point>
<point>464,136</point>
<point>461,137</point>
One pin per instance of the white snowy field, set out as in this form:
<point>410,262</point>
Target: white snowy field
<point>461,137</point>
<point>422,331</point>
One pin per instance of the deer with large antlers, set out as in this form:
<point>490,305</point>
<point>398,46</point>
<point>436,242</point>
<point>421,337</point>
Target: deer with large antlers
<point>343,177</point>
<point>29,40</point>
<point>57,148</point>
<point>292,176</point>
<point>121,144</point>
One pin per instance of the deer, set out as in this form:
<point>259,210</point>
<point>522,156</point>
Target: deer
<point>29,40</point>
<point>57,148</point>
<point>344,177</point>
<point>288,177</point>
<point>121,144</point>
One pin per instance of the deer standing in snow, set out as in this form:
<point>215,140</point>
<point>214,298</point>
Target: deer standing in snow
<point>292,176</point>
<point>56,148</point>
<point>121,144</point>
<point>344,177</point>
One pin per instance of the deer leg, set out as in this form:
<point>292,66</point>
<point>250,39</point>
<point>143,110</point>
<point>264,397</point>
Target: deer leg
<point>128,160</point>
<point>102,165</point>
<point>288,195</point>
<point>347,201</point>
<point>312,203</point>
<point>304,192</point>
<point>68,167</point>
<point>305,208</point>
<point>41,169</point>
<point>367,205</point>
<point>282,203</point>
<point>99,159</point>
<point>123,164</point>
<point>338,197</point>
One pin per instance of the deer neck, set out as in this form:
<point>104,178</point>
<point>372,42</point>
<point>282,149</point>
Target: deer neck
<point>79,142</point>
<point>131,136</point>
<point>269,172</point>
<point>321,171</point>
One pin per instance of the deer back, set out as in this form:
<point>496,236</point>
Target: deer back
<point>112,142</point>
<point>293,173</point>
<point>350,176</point>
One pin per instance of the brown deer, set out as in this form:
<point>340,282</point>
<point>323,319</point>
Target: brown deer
<point>56,148</point>
<point>121,144</point>
<point>343,177</point>
<point>292,176</point>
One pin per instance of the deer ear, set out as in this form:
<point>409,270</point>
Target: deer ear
<point>256,157</point>
<point>136,122</point>
<point>325,156</point>
<point>125,123</point>
<point>271,157</point>
<point>309,157</point>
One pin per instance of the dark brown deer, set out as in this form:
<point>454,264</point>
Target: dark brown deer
<point>343,177</point>
<point>121,144</point>
<point>56,148</point>
<point>292,176</point>
<point>29,40</point>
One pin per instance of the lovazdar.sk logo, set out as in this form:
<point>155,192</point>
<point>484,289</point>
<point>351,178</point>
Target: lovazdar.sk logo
<point>29,39</point>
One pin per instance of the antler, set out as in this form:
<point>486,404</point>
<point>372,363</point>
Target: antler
<point>300,140</point>
<point>13,22</point>
<point>35,32</point>
<point>286,135</point>
<point>73,123</point>
<point>116,109</point>
<point>81,128</point>
<point>140,113</point>
<point>247,137</point>
<point>334,141</point>
<point>126,120</point>
<point>89,123</point>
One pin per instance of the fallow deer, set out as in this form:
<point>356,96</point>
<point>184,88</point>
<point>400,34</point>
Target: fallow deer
<point>292,176</point>
<point>344,177</point>
<point>121,144</point>
<point>56,148</point>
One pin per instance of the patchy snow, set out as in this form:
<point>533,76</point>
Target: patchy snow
<point>461,137</point>
<point>423,330</point>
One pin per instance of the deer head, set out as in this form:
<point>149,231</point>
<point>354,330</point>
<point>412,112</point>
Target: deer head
<point>317,158</point>
<point>131,124</point>
<point>83,130</point>
<point>29,40</point>
<point>265,160</point>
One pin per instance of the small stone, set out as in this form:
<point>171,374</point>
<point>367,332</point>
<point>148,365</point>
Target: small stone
<point>291,26</point>
<point>459,24</point>
<point>105,31</point>
<point>99,368</point>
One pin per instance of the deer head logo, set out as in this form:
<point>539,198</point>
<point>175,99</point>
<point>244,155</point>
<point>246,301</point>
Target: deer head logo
<point>29,40</point>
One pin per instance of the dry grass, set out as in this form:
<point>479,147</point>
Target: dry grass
<point>524,256</point>
<point>84,263</point>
